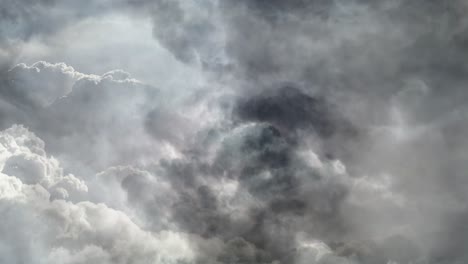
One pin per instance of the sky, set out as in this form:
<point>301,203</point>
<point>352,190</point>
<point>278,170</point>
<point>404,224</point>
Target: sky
<point>233,132</point>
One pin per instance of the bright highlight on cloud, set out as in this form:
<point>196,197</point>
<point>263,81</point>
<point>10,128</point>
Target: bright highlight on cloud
<point>233,132</point>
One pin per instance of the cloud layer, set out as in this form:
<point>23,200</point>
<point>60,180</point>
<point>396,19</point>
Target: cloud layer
<point>315,132</point>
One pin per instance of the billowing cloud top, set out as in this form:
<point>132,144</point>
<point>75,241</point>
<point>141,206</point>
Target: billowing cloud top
<point>233,132</point>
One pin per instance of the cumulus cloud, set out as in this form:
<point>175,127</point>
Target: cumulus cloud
<point>42,225</point>
<point>23,156</point>
<point>322,132</point>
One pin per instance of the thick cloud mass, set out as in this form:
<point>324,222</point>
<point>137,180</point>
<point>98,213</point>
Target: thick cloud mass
<point>326,132</point>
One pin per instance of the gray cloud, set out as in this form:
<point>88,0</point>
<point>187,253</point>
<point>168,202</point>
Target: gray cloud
<point>325,132</point>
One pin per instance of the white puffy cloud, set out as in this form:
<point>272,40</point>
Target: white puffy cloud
<point>23,156</point>
<point>62,232</point>
<point>40,228</point>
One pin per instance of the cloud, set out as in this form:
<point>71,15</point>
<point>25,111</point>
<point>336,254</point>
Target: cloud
<point>48,228</point>
<point>40,84</point>
<point>24,158</point>
<point>56,102</point>
<point>322,132</point>
<point>24,20</point>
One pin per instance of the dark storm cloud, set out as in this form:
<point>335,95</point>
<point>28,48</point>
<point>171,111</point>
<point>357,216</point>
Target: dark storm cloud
<point>359,158</point>
<point>360,49</point>
<point>368,59</point>
<point>297,115</point>
<point>268,168</point>
<point>273,11</point>
<point>290,109</point>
